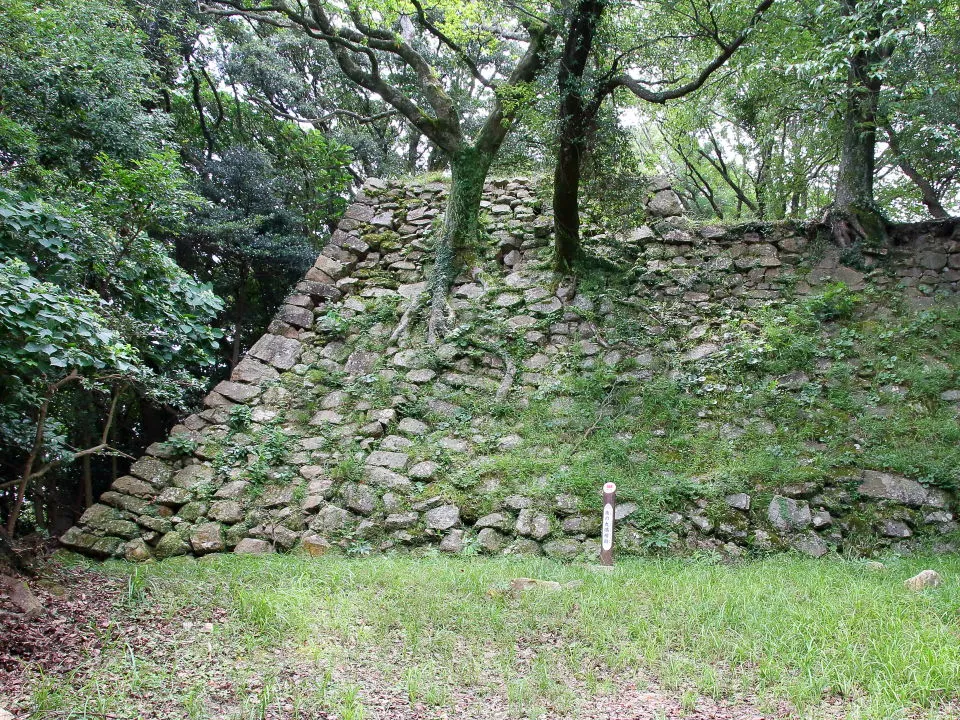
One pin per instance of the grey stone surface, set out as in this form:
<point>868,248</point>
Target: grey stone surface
<point>498,521</point>
<point>443,517</point>
<point>413,427</point>
<point>280,352</point>
<point>533,524</point>
<point>426,470</point>
<point>253,546</point>
<point>171,544</point>
<point>193,475</point>
<point>568,504</point>
<point>174,497</point>
<point>330,519</point>
<point>401,521</point>
<point>517,502</point>
<point>665,203</point>
<point>387,459</point>
<point>237,392</point>
<point>787,514</point>
<point>226,511</point>
<point>358,498</point>
<point>490,541</point>
<point>809,543</point>
<point>452,542</point>
<point>565,549</point>
<point>232,490</point>
<point>884,486</point>
<point>132,486</point>
<point>207,538</point>
<point>895,529</point>
<point>152,470</point>
<point>385,478</point>
<point>276,534</point>
<point>738,501</point>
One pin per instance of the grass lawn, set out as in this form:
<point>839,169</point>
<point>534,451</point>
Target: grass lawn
<point>437,637</point>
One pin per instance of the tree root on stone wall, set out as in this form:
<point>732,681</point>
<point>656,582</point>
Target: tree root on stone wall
<point>412,309</point>
<point>856,225</point>
<point>441,318</point>
<point>510,368</point>
<point>506,383</point>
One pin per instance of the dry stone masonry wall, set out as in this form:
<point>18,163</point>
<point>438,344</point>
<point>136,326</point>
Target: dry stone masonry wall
<point>339,427</point>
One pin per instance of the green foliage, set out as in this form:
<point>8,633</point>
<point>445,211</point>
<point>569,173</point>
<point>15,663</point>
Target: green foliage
<point>835,302</point>
<point>72,86</point>
<point>239,417</point>
<point>126,208</point>
<point>333,324</point>
<point>349,469</point>
<point>181,444</point>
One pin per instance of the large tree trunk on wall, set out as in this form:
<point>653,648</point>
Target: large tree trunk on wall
<point>459,237</point>
<point>854,216</point>
<point>574,121</point>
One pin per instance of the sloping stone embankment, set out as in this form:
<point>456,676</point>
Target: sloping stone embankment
<point>338,426</point>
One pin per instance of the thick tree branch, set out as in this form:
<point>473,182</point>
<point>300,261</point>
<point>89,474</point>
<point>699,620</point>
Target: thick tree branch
<point>660,97</point>
<point>497,124</point>
<point>927,192</point>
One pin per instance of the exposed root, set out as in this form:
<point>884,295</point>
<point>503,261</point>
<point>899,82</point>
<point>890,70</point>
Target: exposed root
<point>506,383</point>
<point>855,226</point>
<point>415,305</point>
<point>509,373</point>
<point>441,318</point>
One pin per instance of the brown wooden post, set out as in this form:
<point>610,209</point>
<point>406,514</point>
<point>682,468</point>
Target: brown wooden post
<point>606,529</point>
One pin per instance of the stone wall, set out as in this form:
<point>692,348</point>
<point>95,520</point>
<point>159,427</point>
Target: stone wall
<point>269,466</point>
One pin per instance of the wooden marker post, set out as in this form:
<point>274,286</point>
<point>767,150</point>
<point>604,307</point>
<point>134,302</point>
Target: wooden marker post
<point>606,530</point>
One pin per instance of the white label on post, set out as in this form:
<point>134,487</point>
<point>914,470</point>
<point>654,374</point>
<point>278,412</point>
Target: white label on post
<point>606,533</point>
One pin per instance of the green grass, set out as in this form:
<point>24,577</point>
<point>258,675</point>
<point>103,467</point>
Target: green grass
<point>786,628</point>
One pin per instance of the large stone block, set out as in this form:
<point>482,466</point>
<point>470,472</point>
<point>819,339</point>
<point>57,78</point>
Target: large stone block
<point>443,517</point>
<point>130,485</point>
<point>193,475</point>
<point>884,486</point>
<point>207,538</point>
<point>152,470</point>
<point>787,514</point>
<point>170,545</point>
<point>237,392</point>
<point>280,352</point>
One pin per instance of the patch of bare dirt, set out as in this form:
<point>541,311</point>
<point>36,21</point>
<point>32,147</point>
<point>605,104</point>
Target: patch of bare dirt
<point>76,605</point>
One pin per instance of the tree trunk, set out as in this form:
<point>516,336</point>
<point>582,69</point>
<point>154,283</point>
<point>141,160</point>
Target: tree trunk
<point>574,119</point>
<point>458,239</point>
<point>854,216</point>
<point>28,466</point>
<point>413,150</point>
<point>928,194</point>
<point>855,177</point>
<point>566,200</point>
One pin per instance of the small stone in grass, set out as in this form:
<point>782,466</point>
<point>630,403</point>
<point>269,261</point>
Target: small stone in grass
<point>521,584</point>
<point>874,565</point>
<point>923,580</point>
